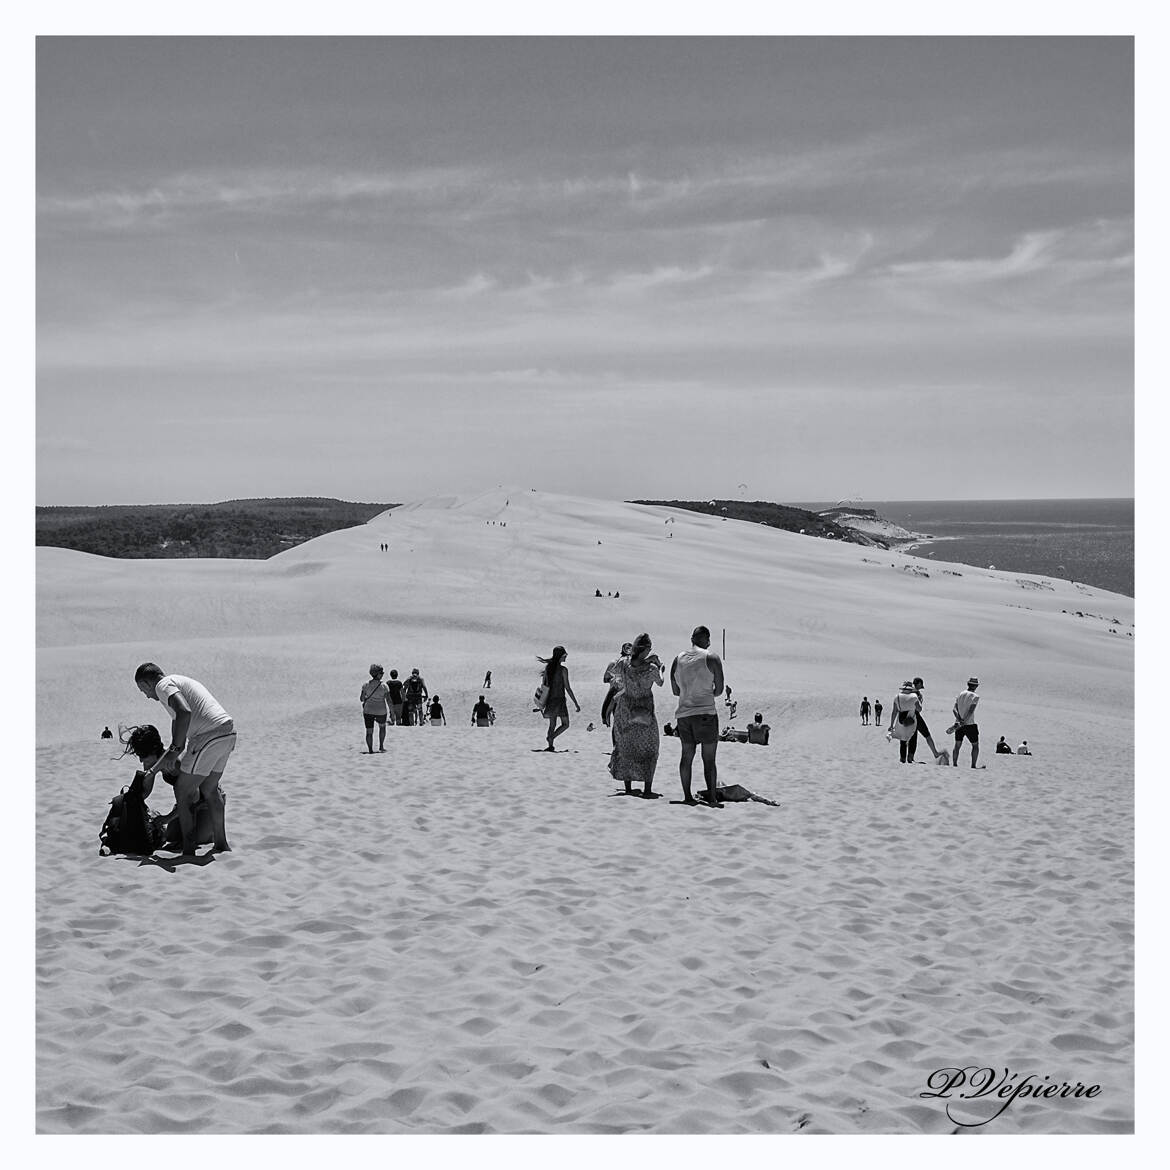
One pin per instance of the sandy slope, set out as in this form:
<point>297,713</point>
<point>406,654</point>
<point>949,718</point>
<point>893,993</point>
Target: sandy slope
<point>464,934</point>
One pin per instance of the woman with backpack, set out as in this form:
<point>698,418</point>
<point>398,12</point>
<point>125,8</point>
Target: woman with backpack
<point>554,687</point>
<point>375,708</point>
<point>904,718</point>
<point>635,727</point>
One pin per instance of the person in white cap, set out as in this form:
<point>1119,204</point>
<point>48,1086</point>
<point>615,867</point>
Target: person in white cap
<point>965,725</point>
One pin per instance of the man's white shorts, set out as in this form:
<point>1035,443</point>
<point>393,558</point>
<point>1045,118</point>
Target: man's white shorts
<point>208,753</point>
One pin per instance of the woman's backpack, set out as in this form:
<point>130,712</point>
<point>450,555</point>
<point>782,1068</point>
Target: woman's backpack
<point>128,827</point>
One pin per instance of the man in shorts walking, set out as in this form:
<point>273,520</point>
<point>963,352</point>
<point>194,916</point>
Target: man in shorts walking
<point>202,738</point>
<point>696,676</point>
<point>965,725</point>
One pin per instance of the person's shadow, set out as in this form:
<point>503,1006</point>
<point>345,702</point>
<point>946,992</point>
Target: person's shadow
<point>170,864</point>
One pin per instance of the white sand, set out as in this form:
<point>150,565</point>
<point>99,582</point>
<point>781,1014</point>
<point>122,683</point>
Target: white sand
<point>463,934</point>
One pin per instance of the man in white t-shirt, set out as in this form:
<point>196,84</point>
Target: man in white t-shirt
<point>696,676</point>
<point>965,725</point>
<point>202,738</point>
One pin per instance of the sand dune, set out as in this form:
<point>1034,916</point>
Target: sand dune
<point>463,935</point>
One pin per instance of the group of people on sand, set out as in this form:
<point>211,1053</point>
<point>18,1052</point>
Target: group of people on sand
<point>696,678</point>
<point>396,703</point>
<point>907,723</point>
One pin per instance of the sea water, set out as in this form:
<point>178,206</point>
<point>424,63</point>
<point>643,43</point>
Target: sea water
<point>1091,541</point>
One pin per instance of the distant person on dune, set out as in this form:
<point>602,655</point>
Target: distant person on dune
<point>1003,748</point>
<point>555,677</point>
<point>203,736</point>
<point>965,725</point>
<point>635,726</point>
<point>1023,749</point>
<point>864,711</point>
<point>877,712</point>
<point>487,680</point>
<point>107,734</point>
<point>375,707</point>
<point>438,719</point>
<point>696,677</point>
<point>395,696</point>
<point>481,714</point>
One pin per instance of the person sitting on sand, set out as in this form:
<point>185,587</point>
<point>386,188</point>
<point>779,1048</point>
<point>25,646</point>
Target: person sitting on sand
<point>435,711</point>
<point>481,714</point>
<point>107,733</point>
<point>635,727</point>
<point>555,676</point>
<point>145,742</point>
<point>696,677</point>
<point>374,697</point>
<point>758,731</point>
<point>203,737</point>
<point>1023,749</point>
<point>1003,748</point>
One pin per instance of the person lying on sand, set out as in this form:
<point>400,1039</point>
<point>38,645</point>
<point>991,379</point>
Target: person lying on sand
<point>739,792</point>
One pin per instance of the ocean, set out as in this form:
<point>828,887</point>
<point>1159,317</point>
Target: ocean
<point>1091,541</point>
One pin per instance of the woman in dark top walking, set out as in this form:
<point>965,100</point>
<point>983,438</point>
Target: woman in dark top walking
<point>556,677</point>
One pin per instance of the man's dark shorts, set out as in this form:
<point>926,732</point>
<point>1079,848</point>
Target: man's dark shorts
<point>971,732</point>
<point>698,728</point>
<point>370,719</point>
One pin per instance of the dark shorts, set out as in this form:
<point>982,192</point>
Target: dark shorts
<point>698,728</point>
<point>396,708</point>
<point>971,732</point>
<point>371,719</point>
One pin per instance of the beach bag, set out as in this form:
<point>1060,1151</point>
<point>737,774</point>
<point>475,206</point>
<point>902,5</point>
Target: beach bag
<point>905,723</point>
<point>128,827</point>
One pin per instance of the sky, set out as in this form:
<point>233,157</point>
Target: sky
<point>773,268</point>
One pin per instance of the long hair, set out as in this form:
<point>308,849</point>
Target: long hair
<point>640,648</point>
<point>141,741</point>
<point>552,663</point>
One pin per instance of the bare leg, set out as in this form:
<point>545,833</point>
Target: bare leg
<point>186,797</point>
<point>955,754</point>
<point>563,727</point>
<point>684,770</point>
<point>369,739</point>
<point>974,754</point>
<point>210,790</point>
<point>710,773</point>
<point>382,736</point>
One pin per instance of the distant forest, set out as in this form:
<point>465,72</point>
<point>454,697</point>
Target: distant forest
<point>248,529</point>
<point>773,515</point>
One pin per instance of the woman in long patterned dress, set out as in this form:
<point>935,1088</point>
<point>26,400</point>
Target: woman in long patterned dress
<point>634,722</point>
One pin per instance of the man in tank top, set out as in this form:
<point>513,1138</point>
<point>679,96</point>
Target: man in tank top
<point>696,676</point>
